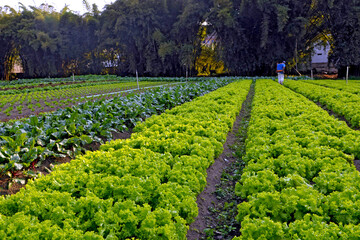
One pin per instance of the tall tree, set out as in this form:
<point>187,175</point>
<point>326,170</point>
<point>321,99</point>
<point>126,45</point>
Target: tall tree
<point>344,26</point>
<point>8,42</point>
<point>254,35</point>
<point>38,39</point>
<point>153,37</point>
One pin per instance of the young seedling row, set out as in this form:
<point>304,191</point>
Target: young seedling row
<point>42,101</point>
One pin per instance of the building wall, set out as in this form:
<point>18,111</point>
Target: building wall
<point>321,54</point>
<point>319,60</point>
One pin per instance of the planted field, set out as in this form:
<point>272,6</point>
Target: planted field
<point>143,187</point>
<point>65,132</point>
<point>341,102</point>
<point>26,84</point>
<point>353,86</point>
<point>13,106</point>
<point>300,180</point>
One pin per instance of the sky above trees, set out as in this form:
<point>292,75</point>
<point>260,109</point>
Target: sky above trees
<point>74,5</point>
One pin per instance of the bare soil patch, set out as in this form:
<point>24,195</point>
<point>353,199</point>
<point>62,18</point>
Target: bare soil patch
<point>326,76</point>
<point>44,107</point>
<point>357,164</point>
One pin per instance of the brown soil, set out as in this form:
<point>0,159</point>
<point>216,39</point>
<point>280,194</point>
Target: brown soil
<point>207,219</point>
<point>357,164</point>
<point>26,112</point>
<point>12,185</point>
<point>326,76</point>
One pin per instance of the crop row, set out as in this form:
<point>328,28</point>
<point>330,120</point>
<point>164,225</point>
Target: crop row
<point>35,101</point>
<point>38,81</point>
<point>300,181</point>
<point>23,88</point>
<point>81,78</point>
<point>91,78</point>
<point>59,87</point>
<point>353,86</point>
<point>341,102</point>
<point>65,131</point>
<point>144,187</point>
<point>69,93</point>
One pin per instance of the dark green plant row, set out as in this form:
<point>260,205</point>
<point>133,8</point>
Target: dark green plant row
<point>58,91</point>
<point>60,97</point>
<point>341,102</point>
<point>38,81</point>
<point>92,78</point>
<point>353,86</point>
<point>65,131</point>
<point>300,181</point>
<point>100,78</point>
<point>60,87</point>
<point>144,187</point>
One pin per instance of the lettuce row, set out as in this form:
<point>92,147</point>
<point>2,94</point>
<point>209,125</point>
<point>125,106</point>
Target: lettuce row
<point>341,102</point>
<point>300,181</point>
<point>353,86</point>
<point>144,187</point>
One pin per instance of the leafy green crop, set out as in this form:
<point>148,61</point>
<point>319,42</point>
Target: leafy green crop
<point>341,102</point>
<point>300,181</point>
<point>352,86</point>
<point>66,131</point>
<point>144,187</point>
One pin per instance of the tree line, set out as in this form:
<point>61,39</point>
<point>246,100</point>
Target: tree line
<point>164,37</point>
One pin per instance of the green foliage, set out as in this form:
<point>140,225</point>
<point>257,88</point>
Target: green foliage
<point>300,181</point>
<point>344,29</point>
<point>66,131</point>
<point>262,33</point>
<point>125,191</point>
<point>341,102</point>
<point>262,228</point>
<point>158,38</point>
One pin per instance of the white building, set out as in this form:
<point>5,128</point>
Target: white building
<point>320,59</point>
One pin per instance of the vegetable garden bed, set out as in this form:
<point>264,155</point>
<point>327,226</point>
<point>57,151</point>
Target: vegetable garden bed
<point>143,187</point>
<point>299,183</point>
<point>341,102</point>
<point>300,180</point>
<point>352,86</point>
<point>26,144</point>
<point>15,106</point>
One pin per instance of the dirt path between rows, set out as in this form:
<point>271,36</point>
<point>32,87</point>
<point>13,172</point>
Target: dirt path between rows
<point>209,202</point>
